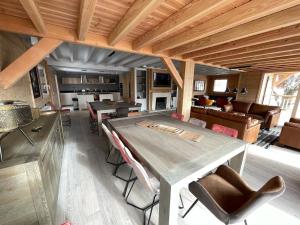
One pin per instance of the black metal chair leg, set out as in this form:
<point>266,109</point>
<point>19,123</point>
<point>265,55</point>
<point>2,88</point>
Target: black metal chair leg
<point>127,183</point>
<point>118,165</point>
<point>130,190</point>
<point>151,209</point>
<point>182,205</point>
<point>190,208</point>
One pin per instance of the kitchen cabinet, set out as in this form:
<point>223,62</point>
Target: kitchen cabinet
<point>66,98</point>
<point>83,99</point>
<point>29,175</point>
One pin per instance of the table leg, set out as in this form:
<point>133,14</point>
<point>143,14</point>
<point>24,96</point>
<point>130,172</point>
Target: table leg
<point>237,163</point>
<point>99,116</point>
<point>168,204</point>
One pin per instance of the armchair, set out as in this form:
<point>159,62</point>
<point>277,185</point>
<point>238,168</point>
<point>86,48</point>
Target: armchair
<point>290,134</point>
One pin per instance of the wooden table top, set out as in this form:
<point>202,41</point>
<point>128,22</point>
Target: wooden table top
<point>114,105</point>
<point>171,157</point>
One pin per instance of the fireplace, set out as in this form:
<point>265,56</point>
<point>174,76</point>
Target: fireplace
<point>161,103</point>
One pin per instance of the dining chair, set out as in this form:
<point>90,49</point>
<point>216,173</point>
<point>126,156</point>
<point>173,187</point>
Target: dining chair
<point>65,113</point>
<point>197,122</point>
<point>229,197</point>
<point>112,144</point>
<point>150,183</point>
<point>177,116</point>
<point>124,159</point>
<point>122,112</point>
<point>93,119</point>
<point>225,130</point>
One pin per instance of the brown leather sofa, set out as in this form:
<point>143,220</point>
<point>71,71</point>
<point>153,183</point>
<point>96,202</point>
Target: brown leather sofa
<point>268,115</point>
<point>290,134</point>
<point>247,127</point>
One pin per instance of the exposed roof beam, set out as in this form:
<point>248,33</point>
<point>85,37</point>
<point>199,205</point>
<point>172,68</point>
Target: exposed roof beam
<point>128,59</point>
<point>260,58</point>
<point>67,64</point>
<point>272,60</point>
<point>271,46</point>
<point>24,63</point>
<point>172,69</point>
<point>34,14</point>
<point>285,50</point>
<point>275,21</point>
<point>280,34</point>
<point>87,8</point>
<point>102,55</point>
<point>135,14</point>
<point>143,61</point>
<point>250,11</point>
<point>19,25</point>
<point>197,10</point>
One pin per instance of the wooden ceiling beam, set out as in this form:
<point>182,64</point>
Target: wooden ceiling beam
<point>274,21</point>
<point>29,59</point>
<point>264,38</point>
<point>87,8</point>
<point>250,11</point>
<point>135,14</point>
<point>277,69</point>
<point>197,10</point>
<point>264,54</point>
<point>34,14</point>
<point>23,26</point>
<point>172,69</point>
<point>272,60</point>
<point>252,50</point>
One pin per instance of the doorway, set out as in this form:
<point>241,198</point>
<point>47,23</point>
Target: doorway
<point>281,89</point>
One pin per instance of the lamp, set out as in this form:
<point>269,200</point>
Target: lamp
<point>14,115</point>
<point>235,90</point>
<point>244,91</point>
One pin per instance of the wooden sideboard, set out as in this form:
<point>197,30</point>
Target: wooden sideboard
<point>29,175</point>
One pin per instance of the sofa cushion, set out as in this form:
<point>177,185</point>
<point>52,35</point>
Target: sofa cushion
<point>262,110</point>
<point>295,120</point>
<point>258,117</point>
<point>229,116</point>
<point>199,110</point>
<point>290,124</point>
<point>228,108</point>
<point>242,107</point>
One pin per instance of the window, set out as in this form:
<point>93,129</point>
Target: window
<point>199,85</point>
<point>220,85</point>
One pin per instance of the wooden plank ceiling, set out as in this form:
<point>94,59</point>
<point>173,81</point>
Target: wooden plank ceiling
<point>251,35</point>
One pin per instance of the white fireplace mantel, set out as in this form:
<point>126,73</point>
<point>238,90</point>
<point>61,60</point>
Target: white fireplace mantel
<point>161,95</point>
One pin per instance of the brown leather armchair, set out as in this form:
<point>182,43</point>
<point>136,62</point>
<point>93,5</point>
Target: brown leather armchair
<point>228,196</point>
<point>290,134</point>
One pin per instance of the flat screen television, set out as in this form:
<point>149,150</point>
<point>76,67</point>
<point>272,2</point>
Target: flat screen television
<point>161,80</point>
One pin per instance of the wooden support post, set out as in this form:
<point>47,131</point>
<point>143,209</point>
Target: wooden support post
<point>186,92</point>
<point>22,65</point>
<point>172,69</point>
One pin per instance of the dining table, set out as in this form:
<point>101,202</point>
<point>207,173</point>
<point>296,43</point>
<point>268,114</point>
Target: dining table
<point>177,161</point>
<point>111,107</point>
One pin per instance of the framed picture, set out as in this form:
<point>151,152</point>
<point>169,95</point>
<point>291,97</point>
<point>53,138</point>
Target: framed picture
<point>199,85</point>
<point>43,81</point>
<point>35,83</point>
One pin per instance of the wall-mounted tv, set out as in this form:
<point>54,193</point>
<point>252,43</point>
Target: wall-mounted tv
<point>161,80</point>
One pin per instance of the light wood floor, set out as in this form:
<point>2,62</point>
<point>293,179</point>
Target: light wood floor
<point>90,195</point>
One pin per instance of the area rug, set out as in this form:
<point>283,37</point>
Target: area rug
<point>266,138</point>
